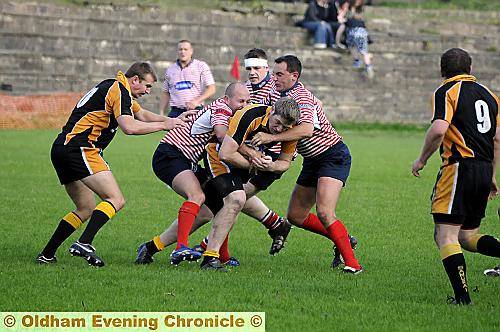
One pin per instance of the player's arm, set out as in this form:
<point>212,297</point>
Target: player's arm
<point>148,116</point>
<point>229,153</point>
<point>433,140</point>
<point>494,186</point>
<point>281,165</point>
<point>303,130</point>
<point>220,132</point>
<point>164,101</point>
<point>131,126</point>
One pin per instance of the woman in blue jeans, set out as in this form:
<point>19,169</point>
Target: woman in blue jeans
<point>318,17</point>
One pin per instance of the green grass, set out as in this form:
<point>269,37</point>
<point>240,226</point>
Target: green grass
<point>404,287</point>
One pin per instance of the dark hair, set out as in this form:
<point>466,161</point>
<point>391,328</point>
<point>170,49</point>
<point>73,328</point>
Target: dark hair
<point>358,9</point>
<point>256,53</point>
<point>454,62</point>
<point>292,63</point>
<point>185,41</point>
<point>141,69</point>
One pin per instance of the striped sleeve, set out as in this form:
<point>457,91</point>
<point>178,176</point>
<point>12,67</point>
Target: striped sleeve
<point>220,117</point>
<point>118,100</point>
<point>444,102</point>
<point>206,75</point>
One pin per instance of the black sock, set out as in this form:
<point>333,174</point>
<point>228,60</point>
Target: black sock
<point>151,246</point>
<point>102,213</point>
<point>97,220</point>
<point>456,270</point>
<point>488,245</point>
<point>62,232</point>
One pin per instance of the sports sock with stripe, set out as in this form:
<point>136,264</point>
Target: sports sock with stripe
<point>102,213</point>
<point>66,227</point>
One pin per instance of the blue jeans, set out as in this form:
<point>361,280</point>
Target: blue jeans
<point>323,33</point>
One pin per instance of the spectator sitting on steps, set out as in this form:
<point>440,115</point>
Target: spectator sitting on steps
<point>357,36</point>
<point>318,18</point>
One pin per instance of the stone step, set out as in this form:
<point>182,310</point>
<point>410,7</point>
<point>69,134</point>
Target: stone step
<point>406,72</point>
<point>210,33</point>
<point>142,14</point>
<point>86,48</point>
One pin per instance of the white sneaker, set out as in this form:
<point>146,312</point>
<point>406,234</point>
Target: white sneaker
<point>494,272</point>
<point>319,45</point>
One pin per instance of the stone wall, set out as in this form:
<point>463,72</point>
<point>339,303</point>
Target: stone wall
<point>47,48</point>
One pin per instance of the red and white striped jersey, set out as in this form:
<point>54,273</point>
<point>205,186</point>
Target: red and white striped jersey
<point>191,140</point>
<point>259,93</point>
<point>311,111</point>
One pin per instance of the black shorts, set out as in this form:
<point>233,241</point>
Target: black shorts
<point>461,192</point>
<point>262,180</point>
<point>168,161</point>
<point>216,189</point>
<point>73,163</point>
<point>333,163</point>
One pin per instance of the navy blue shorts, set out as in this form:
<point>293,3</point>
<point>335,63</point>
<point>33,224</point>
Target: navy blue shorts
<point>333,163</point>
<point>168,161</point>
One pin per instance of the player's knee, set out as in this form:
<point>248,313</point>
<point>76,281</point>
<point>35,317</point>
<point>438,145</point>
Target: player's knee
<point>466,242</point>
<point>235,200</point>
<point>197,197</point>
<point>443,238</point>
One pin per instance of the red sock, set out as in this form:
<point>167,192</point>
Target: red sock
<point>204,243</point>
<point>338,234</point>
<point>313,224</point>
<point>224,251</point>
<point>187,214</point>
<point>270,220</point>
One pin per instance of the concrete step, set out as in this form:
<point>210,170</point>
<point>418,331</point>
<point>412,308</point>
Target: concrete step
<point>142,14</point>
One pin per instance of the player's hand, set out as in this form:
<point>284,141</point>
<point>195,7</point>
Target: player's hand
<point>262,163</point>
<point>261,138</point>
<point>493,190</point>
<point>172,123</point>
<point>191,105</point>
<point>185,115</point>
<point>418,165</point>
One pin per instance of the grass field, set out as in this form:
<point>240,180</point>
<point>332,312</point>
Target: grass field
<point>404,286</point>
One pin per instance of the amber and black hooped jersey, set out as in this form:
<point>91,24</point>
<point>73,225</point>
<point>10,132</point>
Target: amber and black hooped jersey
<point>93,120</point>
<point>471,109</point>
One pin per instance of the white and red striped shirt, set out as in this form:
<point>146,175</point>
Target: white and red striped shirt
<point>191,140</point>
<point>185,84</point>
<point>260,92</point>
<point>311,111</point>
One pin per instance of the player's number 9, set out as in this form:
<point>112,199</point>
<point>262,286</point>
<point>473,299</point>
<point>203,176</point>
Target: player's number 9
<point>483,116</point>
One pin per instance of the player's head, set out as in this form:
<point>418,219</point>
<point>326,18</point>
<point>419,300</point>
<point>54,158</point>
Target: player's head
<point>141,77</point>
<point>184,51</point>
<point>256,65</point>
<point>286,71</point>
<point>237,96</point>
<point>454,62</point>
<point>284,115</point>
